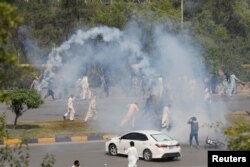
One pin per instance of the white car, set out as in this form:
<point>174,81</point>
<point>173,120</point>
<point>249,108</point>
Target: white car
<point>150,144</point>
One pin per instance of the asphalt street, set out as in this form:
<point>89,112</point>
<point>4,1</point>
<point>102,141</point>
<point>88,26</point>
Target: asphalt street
<point>92,154</point>
<point>113,107</point>
<point>111,110</point>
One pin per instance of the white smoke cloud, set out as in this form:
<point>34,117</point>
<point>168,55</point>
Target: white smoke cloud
<point>171,55</point>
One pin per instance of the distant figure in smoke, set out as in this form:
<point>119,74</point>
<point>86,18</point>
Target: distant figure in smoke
<point>207,102</point>
<point>78,88</point>
<point>165,121</point>
<point>130,116</point>
<point>91,114</point>
<point>135,86</point>
<point>226,86</point>
<point>36,85</point>
<point>160,88</point>
<point>152,106</point>
<point>155,100</point>
<point>70,110</point>
<point>86,94</point>
<point>213,82</point>
<point>207,96</point>
<point>233,86</point>
<point>166,104</point>
<point>143,84</point>
<point>50,91</point>
<point>193,131</point>
<point>105,84</point>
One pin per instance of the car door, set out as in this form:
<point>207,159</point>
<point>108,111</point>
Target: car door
<point>124,142</point>
<point>140,143</point>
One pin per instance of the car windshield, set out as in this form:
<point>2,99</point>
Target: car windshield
<point>161,137</point>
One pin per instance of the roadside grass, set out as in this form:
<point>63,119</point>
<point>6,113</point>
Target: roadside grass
<point>239,117</point>
<point>60,128</point>
<point>36,129</point>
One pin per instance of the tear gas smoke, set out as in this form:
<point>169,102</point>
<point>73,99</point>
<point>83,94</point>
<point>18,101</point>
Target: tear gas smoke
<point>122,54</point>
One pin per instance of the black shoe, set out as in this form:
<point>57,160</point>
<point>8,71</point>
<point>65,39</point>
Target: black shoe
<point>64,118</point>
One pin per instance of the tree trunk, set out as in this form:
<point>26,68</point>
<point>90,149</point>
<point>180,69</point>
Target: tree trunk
<point>15,122</point>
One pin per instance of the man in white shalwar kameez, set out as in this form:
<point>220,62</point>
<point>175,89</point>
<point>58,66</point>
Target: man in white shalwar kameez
<point>85,88</point>
<point>233,85</point>
<point>36,85</point>
<point>71,110</point>
<point>78,88</point>
<point>132,155</point>
<point>130,116</point>
<point>91,110</point>
<point>165,121</point>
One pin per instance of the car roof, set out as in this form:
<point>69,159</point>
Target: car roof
<point>147,131</point>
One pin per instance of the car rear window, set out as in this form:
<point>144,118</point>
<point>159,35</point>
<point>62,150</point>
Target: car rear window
<point>161,137</point>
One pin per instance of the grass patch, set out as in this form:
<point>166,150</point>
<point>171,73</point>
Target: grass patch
<point>239,117</point>
<point>35,129</point>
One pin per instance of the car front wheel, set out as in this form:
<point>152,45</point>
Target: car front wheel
<point>147,155</point>
<point>112,149</point>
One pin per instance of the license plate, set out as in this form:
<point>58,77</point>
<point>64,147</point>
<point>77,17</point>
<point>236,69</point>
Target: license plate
<point>171,147</point>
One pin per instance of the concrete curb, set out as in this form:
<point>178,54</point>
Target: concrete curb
<point>47,140</point>
<point>59,139</point>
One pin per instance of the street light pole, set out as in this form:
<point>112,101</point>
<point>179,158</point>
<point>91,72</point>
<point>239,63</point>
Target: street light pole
<point>181,13</point>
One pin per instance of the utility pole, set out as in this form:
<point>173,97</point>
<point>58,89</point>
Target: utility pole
<point>181,13</point>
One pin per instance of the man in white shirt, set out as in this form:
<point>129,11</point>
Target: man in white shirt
<point>91,114</point>
<point>36,85</point>
<point>71,110</point>
<point>132,155</point>
<point>86,94</point>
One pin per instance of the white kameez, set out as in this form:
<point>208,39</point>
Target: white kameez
<point>165,118</point>
<point>132,156</point>
<point>91,110</point>
<point>85,88</point>
<point>71,110</point>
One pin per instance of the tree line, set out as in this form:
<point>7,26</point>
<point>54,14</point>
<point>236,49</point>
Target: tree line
<point>221,27</point>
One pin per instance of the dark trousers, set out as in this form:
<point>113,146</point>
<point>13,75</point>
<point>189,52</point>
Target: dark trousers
<point>50,93</point>
<point>195,135</point>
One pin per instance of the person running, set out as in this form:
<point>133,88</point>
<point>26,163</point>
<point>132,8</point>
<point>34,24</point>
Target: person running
<point>130,116</point>
<point>91,114</point>
<point>50,91</point>
<point>70,110</point>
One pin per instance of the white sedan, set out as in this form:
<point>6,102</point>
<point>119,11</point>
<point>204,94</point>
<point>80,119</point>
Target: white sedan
<point>150,144</point>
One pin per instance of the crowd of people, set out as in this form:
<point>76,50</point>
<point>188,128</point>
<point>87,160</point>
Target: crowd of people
<point>155,93</point>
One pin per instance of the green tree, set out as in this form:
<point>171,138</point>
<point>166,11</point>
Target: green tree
<point>9,21</point>
<point>20,100</point>
<point>238,136</point>
<point>48,161</point>
<point>116,14</point>
<point>18,155</point>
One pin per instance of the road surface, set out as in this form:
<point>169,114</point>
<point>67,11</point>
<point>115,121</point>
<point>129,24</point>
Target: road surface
<point>92,154</point>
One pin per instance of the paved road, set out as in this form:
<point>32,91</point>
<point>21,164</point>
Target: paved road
<point>53,110</point>
<point>92,154</point>
<point>112,109</point>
